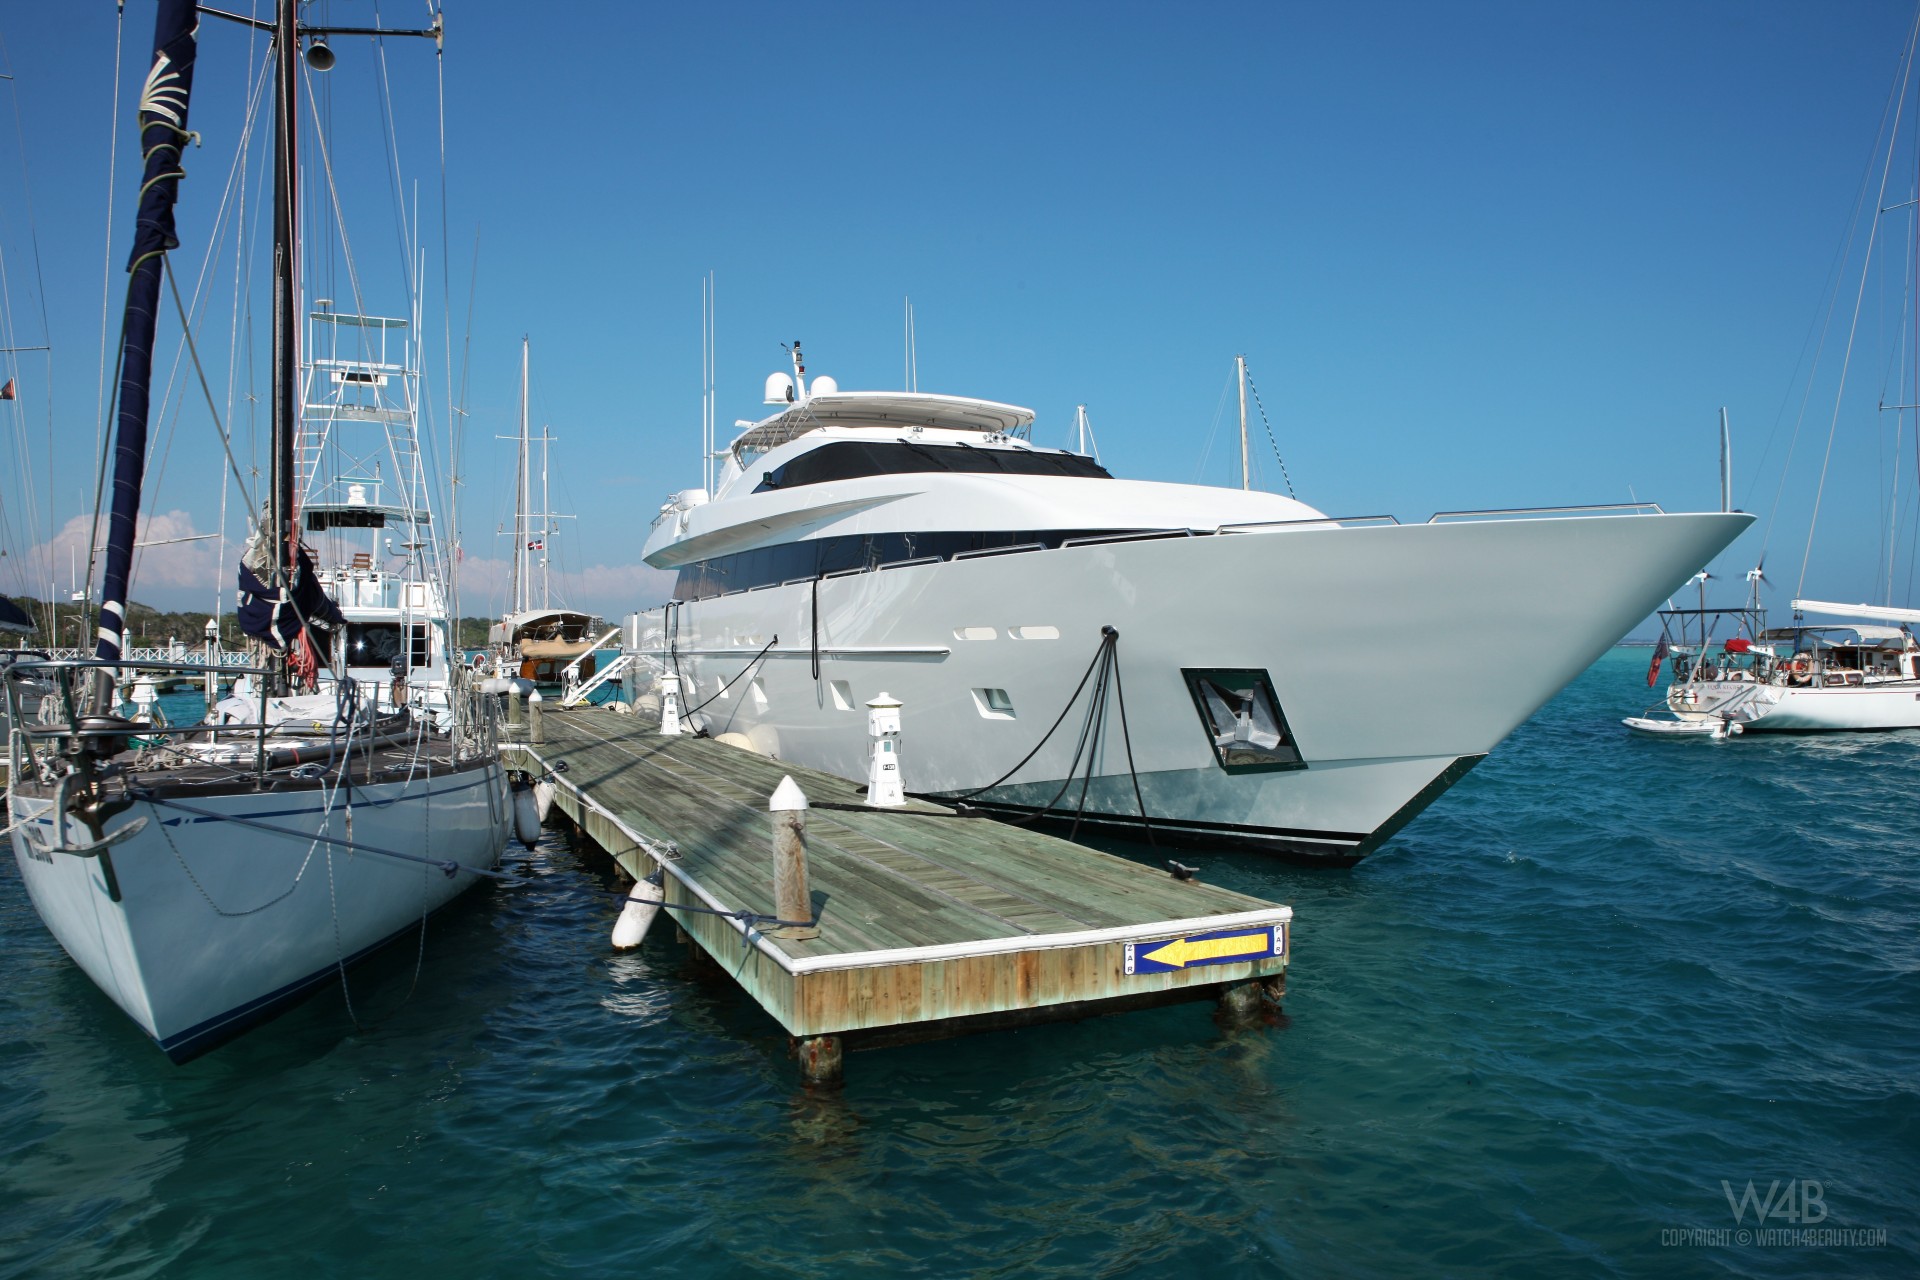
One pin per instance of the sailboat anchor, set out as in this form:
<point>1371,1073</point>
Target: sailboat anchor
<point>93,810</point>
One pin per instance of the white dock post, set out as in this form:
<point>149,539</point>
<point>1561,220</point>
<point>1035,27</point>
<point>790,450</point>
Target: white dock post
<point>144,698</point>
<point>537,732</point>
<point>884,789</point>
<point>515,713</point>
<point>669,705</point>
<point>213,661</point>
<point>792,896</point>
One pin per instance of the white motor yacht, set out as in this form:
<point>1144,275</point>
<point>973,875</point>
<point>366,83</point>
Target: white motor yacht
<point>1190,664</point>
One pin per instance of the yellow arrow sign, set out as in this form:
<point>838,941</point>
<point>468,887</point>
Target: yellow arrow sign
<point>1182,952</point>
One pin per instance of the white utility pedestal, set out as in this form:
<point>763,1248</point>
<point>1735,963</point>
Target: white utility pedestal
<point>884,788</point>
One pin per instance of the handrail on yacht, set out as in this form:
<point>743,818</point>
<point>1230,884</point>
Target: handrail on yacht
<point>1341,521</point>
<point>1441,517</point>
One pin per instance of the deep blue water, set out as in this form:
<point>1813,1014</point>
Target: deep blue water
<point>1600,977</point>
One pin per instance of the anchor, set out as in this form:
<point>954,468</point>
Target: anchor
<point>77,794</point>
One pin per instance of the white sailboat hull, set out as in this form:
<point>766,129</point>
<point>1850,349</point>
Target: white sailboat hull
<point>220,926</point>
<point>1400,655</point>
<point>1891,704</point>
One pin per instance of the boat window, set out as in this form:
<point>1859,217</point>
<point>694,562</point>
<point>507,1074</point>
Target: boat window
<point>818,557</point>
<point>421,650</point>
<point>1243,720</point>
<point>373,644</point>
<point>850,459</point>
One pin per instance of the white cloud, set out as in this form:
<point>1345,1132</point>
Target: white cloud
<point>173,574</point>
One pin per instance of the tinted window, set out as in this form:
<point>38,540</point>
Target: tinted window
<point>372,644</point>
<point>849,459</point>
<point>817,557</point>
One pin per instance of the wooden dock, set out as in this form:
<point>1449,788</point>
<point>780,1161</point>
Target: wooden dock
<point>929,924</point>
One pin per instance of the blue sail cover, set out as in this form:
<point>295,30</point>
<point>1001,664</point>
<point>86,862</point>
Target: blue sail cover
<point>163,132</point>
<point>274,614</point>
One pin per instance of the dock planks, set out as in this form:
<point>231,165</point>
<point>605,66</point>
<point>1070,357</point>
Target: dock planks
<point>929,923</point>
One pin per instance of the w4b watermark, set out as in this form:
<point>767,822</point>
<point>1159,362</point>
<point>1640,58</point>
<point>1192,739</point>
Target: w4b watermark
<point>1789,1213</point>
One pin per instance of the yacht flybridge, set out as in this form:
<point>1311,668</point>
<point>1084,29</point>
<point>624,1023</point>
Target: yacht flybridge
<point>1199,665</point>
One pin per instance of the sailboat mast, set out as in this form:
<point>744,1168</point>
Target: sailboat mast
<point>546,510</point>
<point>519,592</point>
<point>286,368</point>
<point>1240,372</point>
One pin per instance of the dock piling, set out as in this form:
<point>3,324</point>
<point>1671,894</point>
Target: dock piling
<point>822,1059</point>
<point>1239,1003</point>
<point>792,896</point>
<point>536,728</point>
<point>515,714</point>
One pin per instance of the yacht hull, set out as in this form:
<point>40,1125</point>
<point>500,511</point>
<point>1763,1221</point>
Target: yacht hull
<point>1399,655</point>
<point>220,926</point>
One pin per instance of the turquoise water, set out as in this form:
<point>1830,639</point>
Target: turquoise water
<point>1531,1037</point>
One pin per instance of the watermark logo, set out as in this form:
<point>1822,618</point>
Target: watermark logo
<point>1786,1213</point>
<point>1797,1200</point>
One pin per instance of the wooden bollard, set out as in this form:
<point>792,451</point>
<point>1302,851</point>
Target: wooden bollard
<point>514,704</point>
<point>792,898</point>
<point>536,729</point>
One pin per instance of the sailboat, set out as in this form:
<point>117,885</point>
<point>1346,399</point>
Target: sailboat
<point>1853,666</point>
<point>207,878</point>
<point>537,641</point>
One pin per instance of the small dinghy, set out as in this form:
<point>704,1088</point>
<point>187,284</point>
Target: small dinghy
<point>1670,727</point>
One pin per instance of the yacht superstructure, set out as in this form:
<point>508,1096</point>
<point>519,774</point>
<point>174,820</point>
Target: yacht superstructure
<point>1280,679</point>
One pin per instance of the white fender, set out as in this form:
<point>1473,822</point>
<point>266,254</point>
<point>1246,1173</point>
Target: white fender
<point>638,915</point>
<point>543,799</point>
<point>526,816</point>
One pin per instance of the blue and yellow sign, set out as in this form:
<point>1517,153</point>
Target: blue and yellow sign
<point>1227,946</point>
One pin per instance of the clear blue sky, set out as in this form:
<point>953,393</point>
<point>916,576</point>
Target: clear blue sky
<point>1476,254</point>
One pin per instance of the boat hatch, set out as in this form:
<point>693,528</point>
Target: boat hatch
<point>1243,720</point>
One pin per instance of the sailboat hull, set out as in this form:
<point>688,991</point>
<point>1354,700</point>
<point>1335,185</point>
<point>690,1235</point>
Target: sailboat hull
<point>1889,704</point>
<point>219,926</point>
<point>1399,656</point>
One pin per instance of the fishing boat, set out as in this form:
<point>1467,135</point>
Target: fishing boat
<point>208,877</point>
<point>1180,663</point>
<point>548,645</point>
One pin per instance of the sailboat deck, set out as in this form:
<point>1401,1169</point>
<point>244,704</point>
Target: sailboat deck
<point>929,923</point>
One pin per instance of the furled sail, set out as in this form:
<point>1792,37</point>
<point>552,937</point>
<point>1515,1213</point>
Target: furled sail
<point>163,132</point>
<point>278,615</point>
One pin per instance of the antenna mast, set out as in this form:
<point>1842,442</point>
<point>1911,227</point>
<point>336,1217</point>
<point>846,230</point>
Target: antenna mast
<point>912,370</point>
<point>1726,463</point>
<point>1240,372</point>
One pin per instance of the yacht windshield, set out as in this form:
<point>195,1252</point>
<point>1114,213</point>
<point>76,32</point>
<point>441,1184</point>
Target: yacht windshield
<point>850,459</point>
